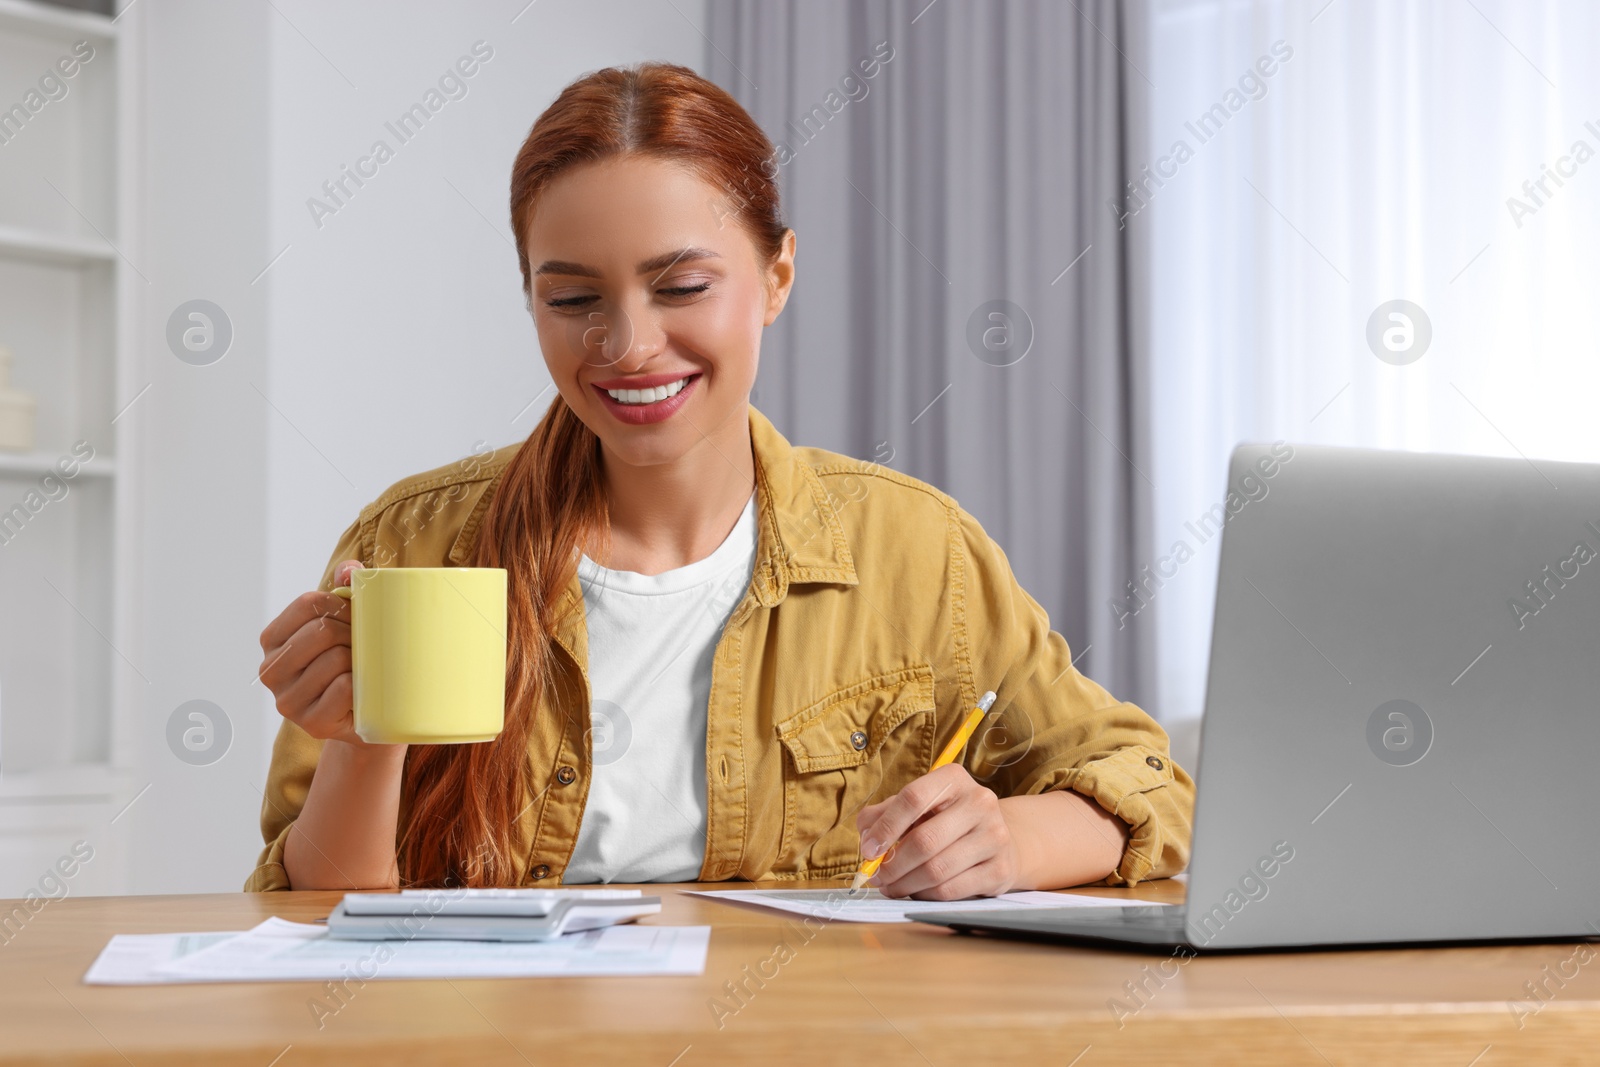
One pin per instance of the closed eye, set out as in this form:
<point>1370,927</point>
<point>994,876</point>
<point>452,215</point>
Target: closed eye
<point>674,291</point>
<point>686,290</point>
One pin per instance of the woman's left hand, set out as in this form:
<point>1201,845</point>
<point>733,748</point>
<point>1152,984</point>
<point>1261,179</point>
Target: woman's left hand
<point>953,840</point>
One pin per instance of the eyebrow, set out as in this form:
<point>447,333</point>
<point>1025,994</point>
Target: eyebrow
<point>654,263</point>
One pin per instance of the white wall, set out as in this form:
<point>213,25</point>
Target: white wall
<point>383,342</point>
<point>198,231</point>
<point>399,332</point>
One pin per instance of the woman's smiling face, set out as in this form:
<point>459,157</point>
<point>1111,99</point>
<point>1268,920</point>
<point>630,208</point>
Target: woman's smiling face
<point>649,298</point>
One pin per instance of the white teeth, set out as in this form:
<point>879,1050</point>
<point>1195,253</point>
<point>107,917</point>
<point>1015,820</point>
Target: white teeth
<point>647,396</point>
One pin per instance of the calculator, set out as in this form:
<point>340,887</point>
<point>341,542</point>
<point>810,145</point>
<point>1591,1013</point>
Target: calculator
<point>485,914</point>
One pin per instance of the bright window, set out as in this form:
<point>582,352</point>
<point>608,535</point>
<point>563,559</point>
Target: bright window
<point>1443,153</point>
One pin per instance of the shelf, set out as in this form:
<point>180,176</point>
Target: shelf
<point>80,783</point>
<point>34,247</point>
<point>63,787</point>
<point>45,463</point>
<point>44,20</point>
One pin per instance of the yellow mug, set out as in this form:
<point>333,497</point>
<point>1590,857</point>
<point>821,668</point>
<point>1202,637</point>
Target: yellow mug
<point>428,653</point>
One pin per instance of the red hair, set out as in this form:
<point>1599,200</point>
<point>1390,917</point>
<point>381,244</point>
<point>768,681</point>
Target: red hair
<point>464,800</point>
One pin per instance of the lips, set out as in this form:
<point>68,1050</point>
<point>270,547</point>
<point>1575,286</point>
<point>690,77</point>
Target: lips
<point>646,398</point>
<point>645,381</point>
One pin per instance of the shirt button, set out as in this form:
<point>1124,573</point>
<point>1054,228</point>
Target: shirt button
<point>1154,762</point>
<point>541,872</point>
<point>566,776</point>
<point>858,740</point>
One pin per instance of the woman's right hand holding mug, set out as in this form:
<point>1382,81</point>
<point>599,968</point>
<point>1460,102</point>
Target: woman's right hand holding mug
<point>344,837</point>
<point>307,663</point>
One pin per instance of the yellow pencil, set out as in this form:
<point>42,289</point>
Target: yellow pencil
<point>869,867</point>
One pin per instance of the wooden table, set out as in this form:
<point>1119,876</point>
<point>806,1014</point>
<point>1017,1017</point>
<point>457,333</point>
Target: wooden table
<point>880,994</point>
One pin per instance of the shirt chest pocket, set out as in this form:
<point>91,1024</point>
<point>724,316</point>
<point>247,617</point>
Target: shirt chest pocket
<point>859,745</point>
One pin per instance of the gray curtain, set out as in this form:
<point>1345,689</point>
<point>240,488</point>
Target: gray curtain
<point>961,310</point>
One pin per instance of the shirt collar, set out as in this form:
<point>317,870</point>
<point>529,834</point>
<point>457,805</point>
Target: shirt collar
<point>799,538</point>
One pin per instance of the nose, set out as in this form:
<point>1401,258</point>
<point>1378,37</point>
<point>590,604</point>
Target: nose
<point>626,336</point>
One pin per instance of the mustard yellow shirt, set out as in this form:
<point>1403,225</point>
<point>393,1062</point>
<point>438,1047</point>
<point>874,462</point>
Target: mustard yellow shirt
<point>878,613</point>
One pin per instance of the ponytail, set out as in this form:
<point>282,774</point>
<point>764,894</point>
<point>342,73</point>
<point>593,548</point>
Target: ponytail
<point>466,799</point>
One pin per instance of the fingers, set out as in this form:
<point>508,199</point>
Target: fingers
<point>341,573</point>
<point>869,815</point>
<point>989,878</point>
<point>946,875</point>
<point>900,812</point>
<point>308,660</point>
<point>925,842</point>
<point>303,699</point>
<point>949,835</point>
<point>954,864</point>
<point>307,607</point>
<point>283,664</point>
<point>331,717</point>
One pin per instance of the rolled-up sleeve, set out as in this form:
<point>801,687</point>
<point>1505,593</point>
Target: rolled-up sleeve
<point>1058,729</point>
<point>294,764</point>
<point>295,752</point>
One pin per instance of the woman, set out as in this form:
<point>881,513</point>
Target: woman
<point>729,658</point>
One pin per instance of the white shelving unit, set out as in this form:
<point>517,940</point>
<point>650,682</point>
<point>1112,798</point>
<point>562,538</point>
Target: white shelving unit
<point>41,463</point>
<point>65,307</point>
<point>52,250</point>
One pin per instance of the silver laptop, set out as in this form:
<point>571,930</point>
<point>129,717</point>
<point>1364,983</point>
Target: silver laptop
<point>1402,724</point>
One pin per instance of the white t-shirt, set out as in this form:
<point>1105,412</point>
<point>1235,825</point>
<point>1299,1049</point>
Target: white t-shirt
<point>651,641</point>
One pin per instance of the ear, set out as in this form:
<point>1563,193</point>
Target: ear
<point>780,279</point>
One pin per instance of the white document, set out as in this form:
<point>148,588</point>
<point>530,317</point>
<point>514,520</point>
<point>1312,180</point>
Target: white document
<point>282,951</point>
<point>871,906</point>
<point>132,959</point>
